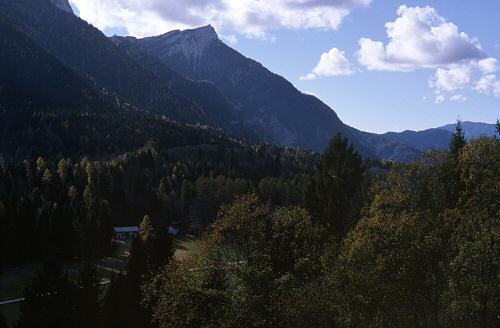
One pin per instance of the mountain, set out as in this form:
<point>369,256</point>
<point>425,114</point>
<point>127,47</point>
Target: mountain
<point>203,93</point>
<point>48,108</point>
<point>473,130</point>
<point>31,74</point>
<point>439,138</point>
<point>266,101</point>
<point>63,5</point>
<point>422,140</point>
<point>79,45</point>
<point>192,77</point>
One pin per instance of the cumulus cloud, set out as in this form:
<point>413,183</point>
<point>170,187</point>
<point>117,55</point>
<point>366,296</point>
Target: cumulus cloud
<point>474,75</point>
<point>331,63</point>
<point>452,79</point>
<point>418,38</point>
<point>488,65</point>
<point>251,18</point>
<point>489,84</point>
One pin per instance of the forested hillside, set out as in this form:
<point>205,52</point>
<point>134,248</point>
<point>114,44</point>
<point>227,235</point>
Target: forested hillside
<point>87,50</point>
<point>77,161</point>
<point>417,247</point>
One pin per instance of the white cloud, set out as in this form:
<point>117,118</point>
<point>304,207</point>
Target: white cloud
<point>331,63</point>
<point>488,65</point>
<point>488,84</point>
<point>451,79</point>
<point>418,38</point>
<point>474,75</point>
<point>230,38</point>
<point>308,77</point>
<point>251,18</point>
<point>458,98</point>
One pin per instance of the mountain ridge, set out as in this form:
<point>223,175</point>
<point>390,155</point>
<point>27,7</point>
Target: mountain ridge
<point>473,130</point>
<point>268,102</point>
<point>227,69</point>
<point>193,77</point>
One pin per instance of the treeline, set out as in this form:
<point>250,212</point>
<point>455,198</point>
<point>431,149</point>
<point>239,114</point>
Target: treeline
<point>66,208</point>
<point>418,248</point>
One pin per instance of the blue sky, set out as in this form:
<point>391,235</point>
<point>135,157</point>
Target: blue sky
<point>409,84</point>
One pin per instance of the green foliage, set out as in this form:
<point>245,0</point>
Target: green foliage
<point>179,300</point>
<point>254,259</point>
<point>472,295</point>
<point>415,261</point>
<point>337,193</point>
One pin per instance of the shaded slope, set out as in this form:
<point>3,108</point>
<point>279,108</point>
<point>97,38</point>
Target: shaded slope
<point>272,105</point>
<point>203,93</point>
<point>83,47</point>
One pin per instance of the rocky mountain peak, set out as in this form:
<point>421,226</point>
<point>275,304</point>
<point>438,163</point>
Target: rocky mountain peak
<point>63,5</point>
<point>191,43</point>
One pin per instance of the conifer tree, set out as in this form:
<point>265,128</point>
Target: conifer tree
<point>336,193</point>
<point>63,169</point>
<point>40,164</point>
<point>458,141</point>
<point>47,177</point>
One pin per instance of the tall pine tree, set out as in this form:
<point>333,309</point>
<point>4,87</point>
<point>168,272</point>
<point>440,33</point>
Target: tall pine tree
<point>458,141</point>
<point>336,193</point>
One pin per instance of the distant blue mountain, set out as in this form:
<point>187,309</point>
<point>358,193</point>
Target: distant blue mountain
<point>439,138</point>
<point>473,130</point>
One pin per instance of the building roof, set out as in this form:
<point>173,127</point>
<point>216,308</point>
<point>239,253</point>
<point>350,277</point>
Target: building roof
<point>126,229</point>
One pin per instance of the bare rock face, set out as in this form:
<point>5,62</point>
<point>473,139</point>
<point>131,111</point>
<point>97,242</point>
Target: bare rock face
<point>63,5</point>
